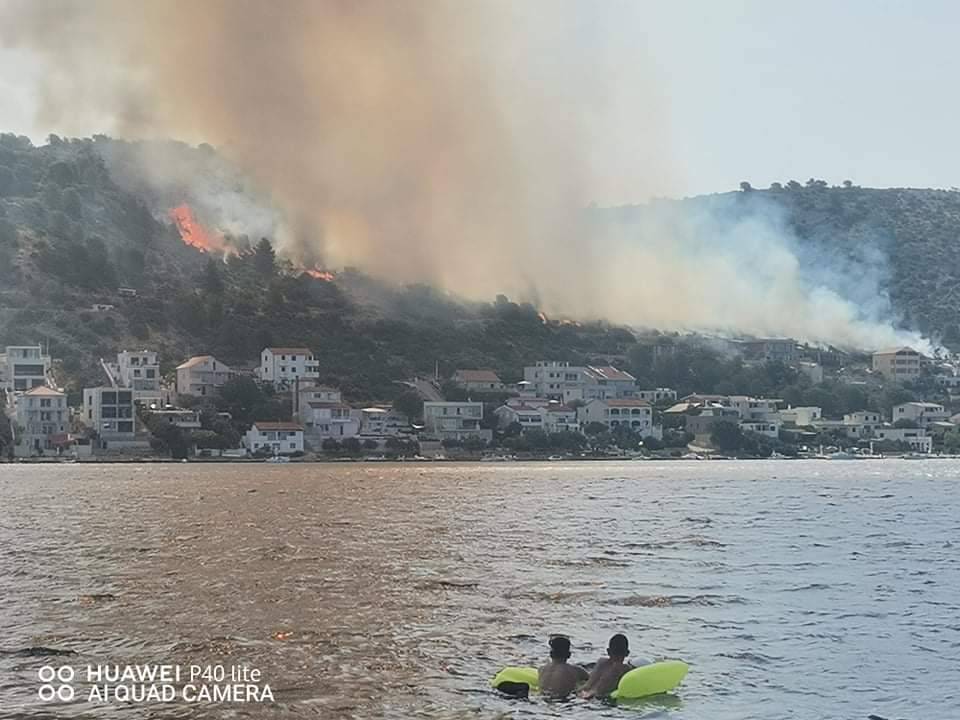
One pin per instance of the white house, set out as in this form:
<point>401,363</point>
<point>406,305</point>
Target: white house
<point>862,424</point>
<point>558,380</point>
<point>560,418</point>
<point>285,365</point>
<point>323,413</point>
<point>916,438</point>
<point>528,416</point>
<point>769,426</point>
<point>111,413</point>
<point>605,383</point>
<point>921,413</point>
<point>529,402</point>
<point>308,393</point>
<point>382,420</point>
<point>139,371</point>
<point>43,421</point>
<point>279,438</point>
<point>23,367</point>
<point>478,381</point>
<point>549,416</point>
<point>803,416</point>
<point>633,413</point>
<point>322,420</point>
<point>180,417</point>
<point>751,408</point>
<point>657,395</point>
<point>553,379</point>
<point>446,420</point>
<point>701,424</point>
<point>201,375</point>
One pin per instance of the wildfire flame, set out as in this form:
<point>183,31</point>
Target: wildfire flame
<point>320,275</point>
<point>197,236</point>
<point>194,234</point>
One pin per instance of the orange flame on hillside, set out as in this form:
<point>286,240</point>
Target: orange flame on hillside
<point>320,275</point>
<point>194,234</point>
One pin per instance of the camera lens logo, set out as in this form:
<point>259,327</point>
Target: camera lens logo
<point>62,691</point>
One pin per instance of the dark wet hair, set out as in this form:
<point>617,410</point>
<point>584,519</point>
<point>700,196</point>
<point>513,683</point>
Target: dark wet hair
<point>618,646</point>
<point>559,647</point>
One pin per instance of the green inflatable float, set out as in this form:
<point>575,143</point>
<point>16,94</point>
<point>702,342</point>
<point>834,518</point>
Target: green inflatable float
<point>653,679</point>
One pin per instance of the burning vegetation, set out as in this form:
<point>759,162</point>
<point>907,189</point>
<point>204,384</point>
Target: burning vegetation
<point>197,236</point>
<point>194,234</point>
<point>320,274</point>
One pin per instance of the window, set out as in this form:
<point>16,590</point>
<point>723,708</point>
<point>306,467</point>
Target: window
<point>108,411</point>
<point>44,402</point>
<point>125,397</point>
<point>125,426</point>
<point>151,373</point>
<point>28,369</point>
<point>108,398</point>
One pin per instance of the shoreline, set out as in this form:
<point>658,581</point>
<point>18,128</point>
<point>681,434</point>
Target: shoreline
<point>435,461</point>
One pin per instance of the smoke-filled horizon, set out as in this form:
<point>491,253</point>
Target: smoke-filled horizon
<point>442,142</point>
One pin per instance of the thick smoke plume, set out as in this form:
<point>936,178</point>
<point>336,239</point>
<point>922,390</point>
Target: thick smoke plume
<point>441,141</point>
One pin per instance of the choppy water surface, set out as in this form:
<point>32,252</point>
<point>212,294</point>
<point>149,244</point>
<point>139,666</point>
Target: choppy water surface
<point>794,589</point>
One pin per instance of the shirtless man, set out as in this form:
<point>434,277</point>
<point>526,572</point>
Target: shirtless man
<point>606,675</point>
<point>558,678</point>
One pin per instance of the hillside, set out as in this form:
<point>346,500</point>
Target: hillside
<point>72,233</point>
<point>70,237</point>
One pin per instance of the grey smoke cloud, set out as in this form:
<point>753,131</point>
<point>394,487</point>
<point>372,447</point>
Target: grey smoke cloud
<point>441,141</point>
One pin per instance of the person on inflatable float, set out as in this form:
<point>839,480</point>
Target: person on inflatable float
<point>605,677</point>
<point>558,678</point>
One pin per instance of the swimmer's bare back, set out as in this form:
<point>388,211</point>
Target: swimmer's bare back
<point>559,679</point>
<point>605,678</point>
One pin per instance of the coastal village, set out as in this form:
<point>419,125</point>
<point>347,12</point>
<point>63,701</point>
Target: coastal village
<point>557,410</point>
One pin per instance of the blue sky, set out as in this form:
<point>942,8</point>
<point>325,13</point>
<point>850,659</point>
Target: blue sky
<point>749,90</point>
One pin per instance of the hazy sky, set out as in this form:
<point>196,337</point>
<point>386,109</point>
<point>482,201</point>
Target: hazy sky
<point>757,90</point>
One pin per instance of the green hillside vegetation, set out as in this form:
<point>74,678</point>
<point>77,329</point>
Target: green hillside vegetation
<point>71,237</point>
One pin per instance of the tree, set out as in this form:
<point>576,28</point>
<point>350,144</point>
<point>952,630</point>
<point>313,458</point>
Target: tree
<point>211,281</point>
<point>351,445</point>
<point>474,444</point>
<point>904,423</point>
<point>264,258</point>
<point>8,233</point>
<point>848,184</point>
<point>652,443</point>
<point>410,404</point>
<point>594,428</point>
<point>246,401</point>
<point>166,437</point>
<point>330,445</point>
<point>745,186</point>
<point>514,429</point>
<point>369,444</point>
<point>776,186</point>
<point>727,435</point>
<point>951,442</point>
<point>793,185</point>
